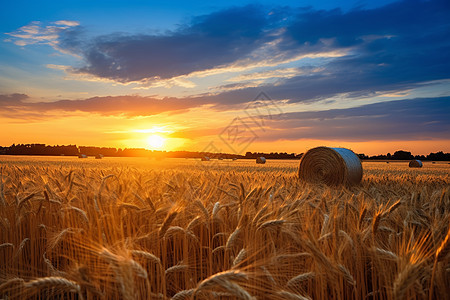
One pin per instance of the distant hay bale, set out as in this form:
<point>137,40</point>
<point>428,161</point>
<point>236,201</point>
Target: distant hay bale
<point>99,156</point>
<point>205,158</point>
<point>330,166</point>
<point>261,160</point>
<point>415,163</point>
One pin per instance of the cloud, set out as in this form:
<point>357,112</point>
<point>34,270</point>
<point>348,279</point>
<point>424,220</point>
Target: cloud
<point>121,105</point>
<point>416,119</point>
<point>411,119</point>
<point>373,49</point>
<point>128,105</point>
<point>271,74</point>
<point>12,100</point>
<point>67,23</point>
<point>397,45</point>
<point>209,41</point>
<point>385,51</point>
<point>38,33</point>
<point>17,110</point>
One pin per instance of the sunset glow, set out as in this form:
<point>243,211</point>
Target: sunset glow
<point>156,142</point>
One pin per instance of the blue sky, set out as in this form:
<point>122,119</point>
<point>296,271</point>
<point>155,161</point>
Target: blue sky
<point>156,64</point>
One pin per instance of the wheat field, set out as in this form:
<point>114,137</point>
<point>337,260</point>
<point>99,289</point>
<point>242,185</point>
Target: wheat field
<point>126,228</point>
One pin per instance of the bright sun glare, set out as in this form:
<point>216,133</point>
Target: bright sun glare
<point>156,141</point>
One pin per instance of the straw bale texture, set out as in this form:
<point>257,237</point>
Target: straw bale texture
<point>415,163</point>
<point>261,160</point>
<point>330,166</point>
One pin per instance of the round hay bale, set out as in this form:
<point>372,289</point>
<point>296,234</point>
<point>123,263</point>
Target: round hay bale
<point>330,166</point>
<point>261,160</point>
<point>99,156</point>
<point>415,163</point>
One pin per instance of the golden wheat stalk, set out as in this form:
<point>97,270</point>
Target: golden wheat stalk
<point>272,224</point>
<point>232,239</point>
<point>346,273</point>
<point>81,212</point>
<point>6,245</point>
<point>230,275</point>
<point>240,257</point>
<point>25,199</point>
<point>10,284</point>
<point>441,253</point>
<point>405,279</point>
<point>180,267</point>
<point>173,230</point>
<point>393,207</point>
<point>291,296</point>
<point>444,248</point>
<point>2,193</point>
<point>202,208</point>
<point>226,281</point>
<point>294,281</point>
<point>183,295</point>
<point>20,248</point>
<point>386,254</point>
<point>59,283</point>
<point>147,255</point>
<point>216,209</point>
<point>167,221</point>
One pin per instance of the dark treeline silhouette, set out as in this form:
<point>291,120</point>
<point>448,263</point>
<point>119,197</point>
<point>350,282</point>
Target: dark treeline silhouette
<point>73,150</point>
<point>406,155</point>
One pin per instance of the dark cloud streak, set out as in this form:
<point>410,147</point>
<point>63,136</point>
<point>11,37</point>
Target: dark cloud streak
<point>411,119</point>
<point>129,106</point>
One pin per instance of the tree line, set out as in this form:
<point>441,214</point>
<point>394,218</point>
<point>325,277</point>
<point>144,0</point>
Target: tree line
<point>73,150</point>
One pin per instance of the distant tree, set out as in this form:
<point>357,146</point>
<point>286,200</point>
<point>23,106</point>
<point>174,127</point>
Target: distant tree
<point>402,155</point>
<point>439,156</point>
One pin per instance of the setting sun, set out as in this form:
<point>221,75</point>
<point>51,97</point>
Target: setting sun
<point>156,141</point>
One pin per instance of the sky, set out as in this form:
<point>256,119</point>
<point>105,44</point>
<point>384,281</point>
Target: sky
<point>227,76</point>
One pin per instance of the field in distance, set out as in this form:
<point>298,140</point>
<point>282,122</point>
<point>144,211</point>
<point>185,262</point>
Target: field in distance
<point>135,228</point>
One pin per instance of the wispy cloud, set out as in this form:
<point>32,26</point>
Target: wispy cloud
<point>417,119</point>
<point>38,33</point>
<point>16,105</point>
<point>410,119</point>
<point>271,74</point>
